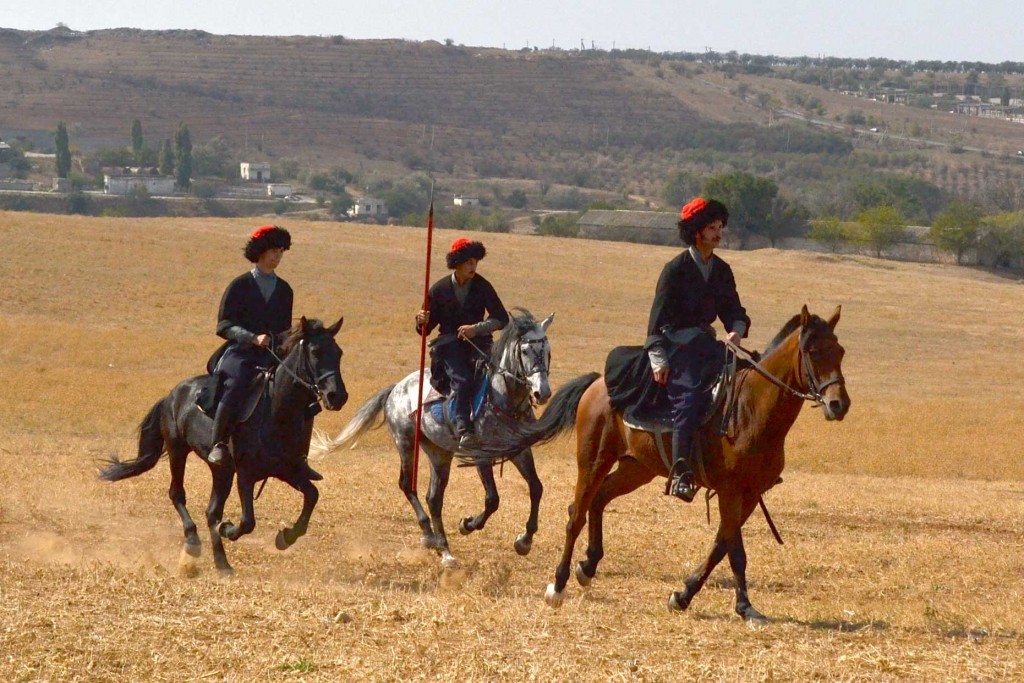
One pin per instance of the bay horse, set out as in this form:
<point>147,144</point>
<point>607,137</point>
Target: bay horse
<point>519,363</point>
<point>802,362</point>
<point>272,442</point>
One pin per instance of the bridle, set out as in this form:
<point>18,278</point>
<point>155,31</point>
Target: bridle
<point>814,385</point>
<point>307,368</point>
<point>518,374</point>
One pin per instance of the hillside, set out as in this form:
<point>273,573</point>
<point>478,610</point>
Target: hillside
<point>591,119</point>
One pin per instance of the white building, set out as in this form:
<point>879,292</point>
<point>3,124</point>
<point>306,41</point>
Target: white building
<point>463,200</point>
<point>278,189</point>
<point>124,184</point>
<point>255,171</point>
<point>368,207</point>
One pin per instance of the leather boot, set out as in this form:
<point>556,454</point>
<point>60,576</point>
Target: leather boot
<point>681,484</point>
<point>221,423</point>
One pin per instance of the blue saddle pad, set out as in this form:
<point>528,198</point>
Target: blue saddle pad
<point>443,410</point>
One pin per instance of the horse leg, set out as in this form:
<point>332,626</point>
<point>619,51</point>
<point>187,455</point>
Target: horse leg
<point>310,496</point>
<point>730,511</point>
<point>468,525</point>
<point>524,463</point>
<point>405,483</point>
<point>738,563</point>
<point>221,489</point>
<point>247,523</point>
<point>439,471</point>
<point>178,454</point>
<point>593,462</point>
<point>626,478</point>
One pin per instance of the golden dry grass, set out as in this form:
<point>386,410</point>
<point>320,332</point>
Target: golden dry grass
<point>903,524</point>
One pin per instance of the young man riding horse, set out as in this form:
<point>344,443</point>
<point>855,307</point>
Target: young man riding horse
<point>458,304</point>
<point>694,288</point>
<point>255,315</point>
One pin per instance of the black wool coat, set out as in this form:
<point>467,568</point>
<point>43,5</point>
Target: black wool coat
<point>447,313</point>
<point>243,305</point>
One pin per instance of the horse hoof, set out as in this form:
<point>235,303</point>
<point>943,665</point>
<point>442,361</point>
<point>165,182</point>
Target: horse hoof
<point>464,527</point>
<point>226,572</point>
<point>523,545</point>
<point>281,543</point>
<point>581,576</point>
<point>222,528</point>
<point>552,597</point>
<point>754,618</point>
<point>677,602</point>
<point>449,562</point>
<point>193,549</point>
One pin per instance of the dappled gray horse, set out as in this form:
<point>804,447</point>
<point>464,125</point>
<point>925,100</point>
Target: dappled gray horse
<point>518,366</point>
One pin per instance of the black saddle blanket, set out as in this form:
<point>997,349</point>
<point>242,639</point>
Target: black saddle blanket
<point>631,385</point>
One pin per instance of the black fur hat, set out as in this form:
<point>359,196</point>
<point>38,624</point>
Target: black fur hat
<point>266,237</point>
<point>462,250</point>
<point>697,214</point>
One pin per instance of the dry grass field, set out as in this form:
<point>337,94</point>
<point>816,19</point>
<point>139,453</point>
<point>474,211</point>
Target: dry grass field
<point>904,524</point>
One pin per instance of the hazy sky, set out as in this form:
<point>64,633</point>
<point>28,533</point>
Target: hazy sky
<point>977,30</point>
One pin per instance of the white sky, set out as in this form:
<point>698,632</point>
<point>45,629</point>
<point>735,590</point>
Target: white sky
<point>975,30</point>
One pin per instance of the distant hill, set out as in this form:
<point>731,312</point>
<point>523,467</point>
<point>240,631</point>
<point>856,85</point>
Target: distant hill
<point>620,122</point>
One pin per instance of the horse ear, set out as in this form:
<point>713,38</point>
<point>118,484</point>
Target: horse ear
<point>834,320</point>
<point>805,316</point>
<point>333,329</point>
<point>303,325</point>
<point>546,322</point>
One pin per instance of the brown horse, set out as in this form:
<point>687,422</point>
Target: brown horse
<point>802,362</point>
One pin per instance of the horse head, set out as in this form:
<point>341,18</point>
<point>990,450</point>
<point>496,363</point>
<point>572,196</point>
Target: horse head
<point>524,354</point>
<point>319,361</point>
<point>821,358</point>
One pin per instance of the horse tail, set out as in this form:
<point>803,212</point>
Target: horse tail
<point>151,448</point>
<point>365,419</point>
<point>559,418</point>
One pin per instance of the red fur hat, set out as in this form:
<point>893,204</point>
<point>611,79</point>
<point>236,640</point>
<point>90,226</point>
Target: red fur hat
<point>462,250</point>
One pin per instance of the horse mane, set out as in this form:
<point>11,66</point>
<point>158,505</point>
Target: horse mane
<point>296,334</point>
<point>814,324</point>
<point>520,322</point>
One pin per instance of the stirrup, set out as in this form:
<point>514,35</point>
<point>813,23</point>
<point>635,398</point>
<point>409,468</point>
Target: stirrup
<point>219,453</point>
<point>682,487</point>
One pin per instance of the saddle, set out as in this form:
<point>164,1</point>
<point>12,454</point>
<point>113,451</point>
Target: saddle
<point>211,387</point>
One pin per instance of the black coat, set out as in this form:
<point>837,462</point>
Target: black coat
<point>684,299</point>
<point>243,305</point>
<point>447,313</point>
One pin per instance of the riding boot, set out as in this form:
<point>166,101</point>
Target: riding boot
<point>681,480</point>
<point>221,425</point>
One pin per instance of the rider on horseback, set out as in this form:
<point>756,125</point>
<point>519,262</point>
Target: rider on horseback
<point>457,304</point>
<point>694,288</point>
<point>255,314</point>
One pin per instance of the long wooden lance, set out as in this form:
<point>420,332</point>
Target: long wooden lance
<point>423,346</point>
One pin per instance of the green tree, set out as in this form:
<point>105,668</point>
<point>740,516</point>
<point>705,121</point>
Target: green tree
<point>166,160</point>
<point>956,229</point>
<point>183,157</point>
<point>137,140</point>
<point>748,197</point>
<point>517,199</point>
<point>681,187</point>
<point>563,225</point>
<point>63,150</point>
<point>787,219</point>
<point>828,231</point>
<point>882,227</point>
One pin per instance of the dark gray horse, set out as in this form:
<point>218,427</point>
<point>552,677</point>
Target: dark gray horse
<point>272,442</point>
<point>519,380</point>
